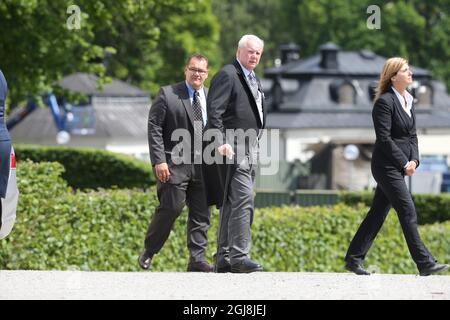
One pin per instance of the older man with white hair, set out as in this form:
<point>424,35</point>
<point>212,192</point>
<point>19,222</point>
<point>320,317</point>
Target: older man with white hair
<point>236,103</point>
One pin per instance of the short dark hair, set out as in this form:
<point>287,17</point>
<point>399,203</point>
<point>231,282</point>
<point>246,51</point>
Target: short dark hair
<point>197,56</point>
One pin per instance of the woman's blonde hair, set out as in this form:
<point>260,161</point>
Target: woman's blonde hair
<point>390,69</point>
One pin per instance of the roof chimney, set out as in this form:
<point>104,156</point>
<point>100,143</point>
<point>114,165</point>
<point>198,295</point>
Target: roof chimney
<point>289,52</point>
<point>328,53</point>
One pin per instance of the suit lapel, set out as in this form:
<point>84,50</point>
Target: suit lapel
<point>186,101</point>
<point>244,82</point>
<point>206,96</point>
<point>399,107</point>
<point>262,103</point>
<point>246,86</point>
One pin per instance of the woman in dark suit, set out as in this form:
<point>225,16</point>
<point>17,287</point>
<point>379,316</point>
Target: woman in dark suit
<point>5,141</point>
<point>395,156</point>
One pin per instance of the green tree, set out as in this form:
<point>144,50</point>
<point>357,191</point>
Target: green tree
<point>258,17</point>
<point>417,30</point>
<point>182,35</point>
<point>154,38</point>
<point>36,47</point>
<point>144,42</point>
<point>436,40</point>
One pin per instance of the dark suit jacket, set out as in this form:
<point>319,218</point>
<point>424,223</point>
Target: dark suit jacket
<point>170,110</point>
<point>5,143</point>
<point>4,134</point>
<point>230,105</point>
<point>396,137</point>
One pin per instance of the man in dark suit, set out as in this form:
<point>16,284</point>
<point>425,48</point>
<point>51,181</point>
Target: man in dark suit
<point>175,163</point>
<point>395,155</point>
<point>235,102</point>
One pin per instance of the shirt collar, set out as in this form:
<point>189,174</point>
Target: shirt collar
<point>191,90</point>
<point>409,98</point>
<point>246,71</point>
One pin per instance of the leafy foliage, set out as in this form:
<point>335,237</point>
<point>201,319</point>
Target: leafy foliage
<point>417,30</point>
<point>144,42</point>
<point>87,168</point>
<point>104,230</point>
<point>430,208</point>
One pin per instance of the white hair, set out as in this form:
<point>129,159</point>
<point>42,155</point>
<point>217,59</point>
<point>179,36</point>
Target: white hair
<point>250,37</point>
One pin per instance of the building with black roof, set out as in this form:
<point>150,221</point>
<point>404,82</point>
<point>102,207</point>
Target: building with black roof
<point>114,118</point>
<point>324,102</point>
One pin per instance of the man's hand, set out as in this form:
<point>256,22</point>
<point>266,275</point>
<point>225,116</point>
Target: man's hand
<point>226,150</point>
<point>410,169</point>
<point>162,172</point>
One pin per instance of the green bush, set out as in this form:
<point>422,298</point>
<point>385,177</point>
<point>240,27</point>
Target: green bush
<point>104,230</point>
<point>315,239</point>
<point>88,168</point>
<point>355,198</point>
<point>430,208</point>
<point>41,181</point>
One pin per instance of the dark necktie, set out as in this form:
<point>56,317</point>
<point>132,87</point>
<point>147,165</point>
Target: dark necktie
<point>198,118</point>
<point>197,108</point>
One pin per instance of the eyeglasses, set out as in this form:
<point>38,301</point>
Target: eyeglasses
<point>200,71</point>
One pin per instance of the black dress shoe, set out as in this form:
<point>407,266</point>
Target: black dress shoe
<point>199,266</point>
<point>145,259</point>
<point>222,264</point>
<point>434,269</point>
<point>245,266</point>
<point>223,268</point>
<point>357,269</point>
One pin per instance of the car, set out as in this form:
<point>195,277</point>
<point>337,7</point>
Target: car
<point>9,203</point>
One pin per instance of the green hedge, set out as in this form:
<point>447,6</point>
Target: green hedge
<point>88,168</point>
<point>430,208</point>
<point>316,239</point>
<point>104,230</point>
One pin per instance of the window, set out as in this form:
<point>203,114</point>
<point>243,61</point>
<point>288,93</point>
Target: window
<point>424,95</point>
<point>343,92</point>
<point>346,94</point>
<point>81,120</point>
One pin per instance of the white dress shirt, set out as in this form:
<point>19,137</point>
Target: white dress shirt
<point>408,99</point>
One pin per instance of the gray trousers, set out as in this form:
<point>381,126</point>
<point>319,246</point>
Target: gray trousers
<point>235,237</point>
<point>172,199</point>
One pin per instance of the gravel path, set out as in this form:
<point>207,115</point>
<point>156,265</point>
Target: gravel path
<point>199,286</point>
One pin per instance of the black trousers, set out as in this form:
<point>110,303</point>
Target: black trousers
<point>391,191</point>
<point>172,199</point>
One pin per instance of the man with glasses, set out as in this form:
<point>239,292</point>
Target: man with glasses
<point>176,160</point>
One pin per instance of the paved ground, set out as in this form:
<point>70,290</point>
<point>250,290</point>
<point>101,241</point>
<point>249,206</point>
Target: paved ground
<point>196,286</point>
